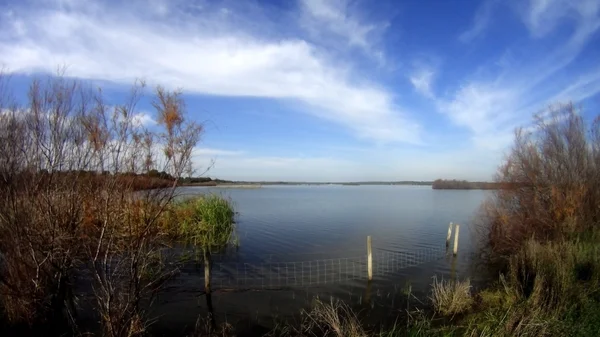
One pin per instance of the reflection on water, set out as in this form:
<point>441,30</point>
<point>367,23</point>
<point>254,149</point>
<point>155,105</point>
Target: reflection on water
<point>305,239</point>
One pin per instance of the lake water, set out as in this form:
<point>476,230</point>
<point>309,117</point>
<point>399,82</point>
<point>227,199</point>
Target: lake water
<point>320,232</point>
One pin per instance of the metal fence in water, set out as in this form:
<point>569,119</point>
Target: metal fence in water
<point>303,273</point>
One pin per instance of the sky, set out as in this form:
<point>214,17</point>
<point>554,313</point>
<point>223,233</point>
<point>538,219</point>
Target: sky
<point>326,90</point>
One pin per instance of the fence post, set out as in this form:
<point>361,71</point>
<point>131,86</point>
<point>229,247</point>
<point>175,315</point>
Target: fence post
<point>369,258</point>
<point>449,235</point>
<point>457,227</point>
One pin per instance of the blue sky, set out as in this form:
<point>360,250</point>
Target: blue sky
<point>323,90</point>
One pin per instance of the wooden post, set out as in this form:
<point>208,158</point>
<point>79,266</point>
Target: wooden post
<point>457,227</point>
<point>449,235</point>
<point>369,258</point>
<point>207,268</point>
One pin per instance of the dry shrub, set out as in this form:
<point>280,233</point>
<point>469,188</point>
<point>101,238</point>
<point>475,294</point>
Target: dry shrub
<point>555,276</point>
<point>75,203</point>
<point>332,319</point>
<point>205,327</point>
<point>551,183</point>
<point>451,297</point>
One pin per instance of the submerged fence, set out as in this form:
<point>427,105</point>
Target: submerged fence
<point>315,272</point>
<point>318,272</point>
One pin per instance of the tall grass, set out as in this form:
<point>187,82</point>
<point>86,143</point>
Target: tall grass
<point>207,222</point>
<point>451,297</point>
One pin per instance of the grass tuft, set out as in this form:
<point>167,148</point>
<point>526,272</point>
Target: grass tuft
<point>206,221</point>
<point>451,297</point>
<point>333,319</point>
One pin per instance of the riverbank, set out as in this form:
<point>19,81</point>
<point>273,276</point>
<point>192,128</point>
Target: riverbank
<point>213,183</point>
<point>241,186</point>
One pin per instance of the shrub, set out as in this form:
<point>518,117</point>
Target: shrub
<point>451,297</point>
<point>71,167</point>
<point>553,172</point>
<point>208,221</point>
<point>204,222</point>
<point>555,276</point>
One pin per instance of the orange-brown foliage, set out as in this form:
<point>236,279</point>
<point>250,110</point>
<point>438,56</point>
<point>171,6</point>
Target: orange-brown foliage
<point>554,174</point>
<point>80,193</point>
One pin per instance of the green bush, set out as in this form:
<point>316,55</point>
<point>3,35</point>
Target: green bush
<point>206,221</point>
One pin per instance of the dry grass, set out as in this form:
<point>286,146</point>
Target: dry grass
<point>332,319</point>
<point>451,297</point>
<point>205,327</point>
<point>554,276</point>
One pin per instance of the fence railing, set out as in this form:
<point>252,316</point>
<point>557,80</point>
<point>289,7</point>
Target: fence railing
<point>318,272</point>
<point>302,273</point>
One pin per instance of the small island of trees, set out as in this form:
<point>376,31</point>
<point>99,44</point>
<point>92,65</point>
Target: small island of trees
<point>444,184</point>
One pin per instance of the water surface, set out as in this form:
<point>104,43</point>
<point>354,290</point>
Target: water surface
<point>290,226</point>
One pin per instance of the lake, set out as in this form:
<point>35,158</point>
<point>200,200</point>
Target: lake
<point>299,242</point>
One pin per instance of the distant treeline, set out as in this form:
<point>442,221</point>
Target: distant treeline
<point>137,181</point>
<point>203,181</point>
<point>443,184</point>
<point>206,181</point>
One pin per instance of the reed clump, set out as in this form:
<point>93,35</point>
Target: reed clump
<point>332,319</point>
<point>206,222</point>
<point>451,297</point>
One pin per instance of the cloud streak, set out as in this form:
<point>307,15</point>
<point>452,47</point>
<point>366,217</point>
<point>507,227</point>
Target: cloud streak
<point>337,18</point>
<point>422,80</point>
<point>492,106</point>
<point>205,54</point>
<point>480,23</point>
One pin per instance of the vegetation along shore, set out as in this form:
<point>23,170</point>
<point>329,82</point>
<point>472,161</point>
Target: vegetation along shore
<point>81,205</point>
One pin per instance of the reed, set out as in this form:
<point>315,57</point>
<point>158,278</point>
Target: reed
<point>206,222</point>
<point>451,297</point>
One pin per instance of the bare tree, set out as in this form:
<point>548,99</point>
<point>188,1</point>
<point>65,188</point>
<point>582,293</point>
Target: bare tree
<point>71,168</point>
<point>550,180</point>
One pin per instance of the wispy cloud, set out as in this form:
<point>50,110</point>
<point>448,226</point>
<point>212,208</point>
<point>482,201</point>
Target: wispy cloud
<point>582,87</point>
<point>205,53</point>
<point>480,23</point>
<point>142,119</point>
<point>271,168</point>
<point>422,166</point>
<point>542,16</point>
<point>207,152</point>
<point>337,17</point>
<point>492,106</point>
<point>422,79</point>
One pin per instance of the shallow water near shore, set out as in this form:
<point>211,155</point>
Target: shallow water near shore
<point>302,242</point>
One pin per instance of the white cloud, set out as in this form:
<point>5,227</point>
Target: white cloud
<point>542,16</point>
<point>402,165</point>
<point>485,110</point>
<point>269,168</point>
<point>337,17</point>
<point>204,53</point>
<point>142,119</point>
<point>206,152</point>
<point>422,79</point>
<point>492,106</point>
<point>480,23</point>
<point>582,87</point>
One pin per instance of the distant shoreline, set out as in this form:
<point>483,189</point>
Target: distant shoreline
<point>438,184</point>
<point>258,184</point>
